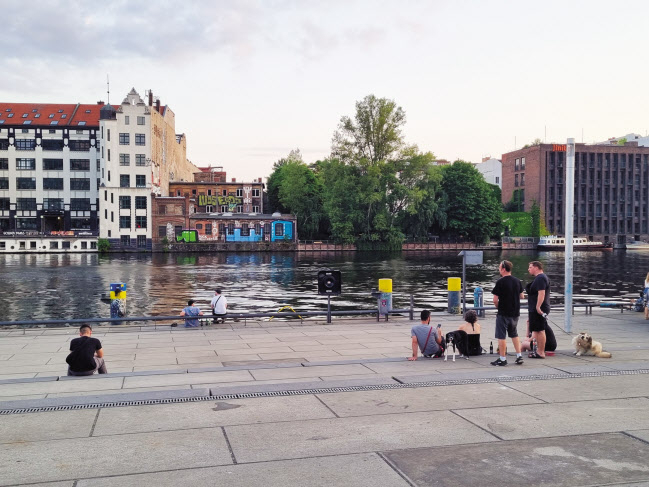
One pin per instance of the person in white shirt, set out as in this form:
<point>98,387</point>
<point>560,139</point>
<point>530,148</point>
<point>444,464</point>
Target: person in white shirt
<point>219,306</point>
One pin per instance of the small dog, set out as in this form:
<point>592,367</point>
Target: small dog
<point>458,339</point>
<point>585,345</point>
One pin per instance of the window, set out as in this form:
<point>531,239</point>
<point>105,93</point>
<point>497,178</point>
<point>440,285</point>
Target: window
<point>140,202</point>
<point>255,209</point>
<point>52,144</point>
<point>140,120</point>
<point>26,224</point>
<point>53,203</point>
<point>255,193</point>
<point>25,183</point>
<point>124,139</point>
<point>80,223</point>
<point>522,163</point>
<point>25,144</point>
<point>140,181</point>
<point>80,123</point>
<point>25,115</point>
<point>80,184</point>
<point>25,203</point>
<point>141,241</point>
<point>225,192</point>
<point>93,245</point>
<point>208,209</point>
<point>239,208</point>
<point>140,139</point>
<point>224,208</point>
<point>4,163</point>
<point>53,164</point>
<point>108,135</point>
<point>125,241</point>
<point>79,145</point>
<point>79,204</point>
<point>124,180</point>
<point>4,144</point>
<point>11,115</point>
<point>127,120</point>
<point>54,245</point>
<point>279,230</point>
<point>522,179</point>
<point>245,230</point>
<point>140,221</point>
<point>64,116</point>
<point>516,164</point>
<point>199,226</point>
<point>4,203</point>
<point>162,231</point>
<point>162,210</point>
<point>125,159</point>
<point>53,183</point>
<point>239,192</point>
<point>4,183</point>
<point>208,229</point>
<point>84,245</point>
<point>79,164</point>
<point>26,164</point>
<point>140,159</point>
<point>124,221</point>
<point>124,202</point>
<point>497,180</point>
<point>54,122</point>
<point>51,115</point>
<point>515,179</point>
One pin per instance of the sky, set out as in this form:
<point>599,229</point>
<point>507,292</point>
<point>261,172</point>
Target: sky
<point>249,81</point>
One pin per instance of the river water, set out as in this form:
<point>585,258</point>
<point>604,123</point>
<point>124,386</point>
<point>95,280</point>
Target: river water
<point>49,286</point>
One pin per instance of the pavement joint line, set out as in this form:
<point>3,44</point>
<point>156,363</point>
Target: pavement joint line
<point>630,435</point>
<point>324,390</point>
<point>396,469</point>
<point>227,442</point>
<point>326,405</point>
<point>528,395</point>
<point>94,423</point>
<point>452,411</point>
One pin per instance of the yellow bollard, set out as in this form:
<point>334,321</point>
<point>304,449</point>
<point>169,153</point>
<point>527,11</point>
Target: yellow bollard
<point>454,288</point>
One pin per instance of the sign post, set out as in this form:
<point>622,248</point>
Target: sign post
<point>469,257</point>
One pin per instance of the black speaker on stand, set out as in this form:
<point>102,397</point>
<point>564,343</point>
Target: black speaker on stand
<point>329,283</point>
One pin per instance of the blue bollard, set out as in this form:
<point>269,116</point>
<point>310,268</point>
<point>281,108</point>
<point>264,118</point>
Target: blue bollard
<point>478,301</point>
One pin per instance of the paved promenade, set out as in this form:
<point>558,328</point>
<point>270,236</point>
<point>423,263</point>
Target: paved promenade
<point>290,403</point>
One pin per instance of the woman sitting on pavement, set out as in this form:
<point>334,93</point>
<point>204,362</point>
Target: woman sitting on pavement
<point>471,327</point>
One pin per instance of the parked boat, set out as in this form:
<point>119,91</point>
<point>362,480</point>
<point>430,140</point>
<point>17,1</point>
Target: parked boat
<point>637,245</point>
<point>553,242</point>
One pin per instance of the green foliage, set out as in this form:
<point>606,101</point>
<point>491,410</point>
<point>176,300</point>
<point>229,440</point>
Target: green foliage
<point>276,179</point>
<point>103,245</point>
<point>518,224</point>
<point>515,204</point>
<point>301,194</point>
<point>474,212</point>
<point>622,141</point>
<point>165,244</point>
<point>535,214</point>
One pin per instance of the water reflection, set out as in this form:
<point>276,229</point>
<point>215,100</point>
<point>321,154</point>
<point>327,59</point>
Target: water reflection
<point>70,285</point>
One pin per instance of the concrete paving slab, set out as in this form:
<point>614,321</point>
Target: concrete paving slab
<point>578,369</point>
<point>186,379</point>
<point>104,392</point>
<point>208,414</point>
<point>364,470</point>
<point>585,460</point>
<point>78,458</point>
<point>297,385</point>
<point>22,389</point>
<point>513,423</point>
<point>228,385</point>
<point>640,365</point>
<point>68,483</point>
<point>290,373</point>
<point>155,368</point>
<point>29,377</point>
<point>640,434</point>
<point>484,373</point>
<point>351,361</point>
<point>296,356</point>
<point>586,389</point>
<point>250,443</point>
<point>21,428</point>
<point>366,403</point>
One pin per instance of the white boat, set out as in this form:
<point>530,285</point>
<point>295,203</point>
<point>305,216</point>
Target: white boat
<point>553,242</point>
<point>637,245</point>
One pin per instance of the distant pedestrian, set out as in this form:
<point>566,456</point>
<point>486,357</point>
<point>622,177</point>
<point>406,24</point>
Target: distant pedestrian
<point>507,294</point>
<point>191,310</point>
<point>538,306</point>
<point>426,338</point>
<point>219,306</point>
<point>86,354</point>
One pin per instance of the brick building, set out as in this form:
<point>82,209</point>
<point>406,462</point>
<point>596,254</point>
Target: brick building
<point>611,188</point>
<point>220,196</point>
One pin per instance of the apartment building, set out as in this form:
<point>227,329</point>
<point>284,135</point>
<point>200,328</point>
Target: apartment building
<point>49,177</point>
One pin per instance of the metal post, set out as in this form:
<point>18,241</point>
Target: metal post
<point>328,308</point>
<point>412,307</point>
<point>463,283</point>
<point>569,219</point>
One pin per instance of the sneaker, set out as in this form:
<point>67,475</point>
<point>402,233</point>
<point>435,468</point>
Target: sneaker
<point>519,360</point>
<point>499,362</point>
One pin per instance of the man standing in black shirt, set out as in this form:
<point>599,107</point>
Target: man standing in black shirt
<point>86,355</point>
<point>507,294</point>
<point>538,306</point>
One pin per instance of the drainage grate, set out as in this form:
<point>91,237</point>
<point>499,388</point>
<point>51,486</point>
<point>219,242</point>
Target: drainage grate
<point>324,390</point>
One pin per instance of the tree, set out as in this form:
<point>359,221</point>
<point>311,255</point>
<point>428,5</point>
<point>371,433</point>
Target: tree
<point>474,212</point>
<point>340,198</point>
<point>300,193</point>
<point>276,179</point>
<point>373,135</point>
<point>535,212</point>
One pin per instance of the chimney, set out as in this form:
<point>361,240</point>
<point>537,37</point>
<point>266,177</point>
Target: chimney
<point>150,98</point>
<point>486,158</point>
<point>157,105</point>
<point>100,103</point>
<point>234,180</point>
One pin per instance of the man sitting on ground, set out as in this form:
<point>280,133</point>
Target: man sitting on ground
<point>86,356</point>
<point>191,310</point>
<point>426,338</point>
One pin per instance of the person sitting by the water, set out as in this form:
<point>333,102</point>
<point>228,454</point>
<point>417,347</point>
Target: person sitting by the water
<point>471,327</point>
<point>86,354</point>
<point>191,310</point>
<point>550,339</point>
<point>638,304</point>
<point>426,338</point>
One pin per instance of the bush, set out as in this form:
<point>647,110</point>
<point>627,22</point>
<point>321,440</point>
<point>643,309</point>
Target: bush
<point>103,245</point>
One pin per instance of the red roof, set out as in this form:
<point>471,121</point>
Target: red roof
<point>43,114</point>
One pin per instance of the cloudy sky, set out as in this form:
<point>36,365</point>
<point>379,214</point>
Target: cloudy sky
<point>251,80</point>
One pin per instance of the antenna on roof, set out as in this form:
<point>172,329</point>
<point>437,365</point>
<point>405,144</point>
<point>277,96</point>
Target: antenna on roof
<point>108,88</point>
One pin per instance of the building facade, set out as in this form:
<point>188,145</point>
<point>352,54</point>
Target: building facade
<point>221,197</point>
<point>611,188</point>
<point>140,154</point>
<point>492,170</point>
<point>49,177</point>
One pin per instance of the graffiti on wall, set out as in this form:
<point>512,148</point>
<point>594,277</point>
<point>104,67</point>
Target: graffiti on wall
<point>230,201</point>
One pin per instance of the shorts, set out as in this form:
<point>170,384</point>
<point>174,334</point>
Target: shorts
<point>506,325</point>
<point>537,322</point>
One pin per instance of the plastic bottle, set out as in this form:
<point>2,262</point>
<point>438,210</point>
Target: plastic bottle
<point>491,348</point>
<point>534,345</point>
